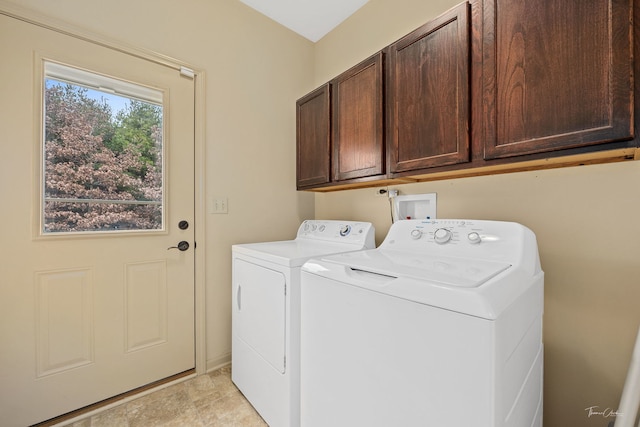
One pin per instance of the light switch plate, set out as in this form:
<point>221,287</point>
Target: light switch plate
<point>218,205</point>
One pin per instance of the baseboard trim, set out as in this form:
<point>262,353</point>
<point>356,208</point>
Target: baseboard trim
<point>218,362</point>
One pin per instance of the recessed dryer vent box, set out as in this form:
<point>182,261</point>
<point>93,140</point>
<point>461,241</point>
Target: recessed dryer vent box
<point>415,206</point>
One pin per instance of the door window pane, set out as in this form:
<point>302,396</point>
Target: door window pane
<point>103,146</point>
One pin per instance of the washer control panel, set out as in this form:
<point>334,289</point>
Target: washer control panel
<point>493,239</point>
<point>444,232</point>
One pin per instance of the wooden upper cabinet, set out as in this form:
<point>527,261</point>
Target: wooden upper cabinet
<point>358,121</point>
<point>428,94</point>
<point>313,138</point>
<point>556,74</point>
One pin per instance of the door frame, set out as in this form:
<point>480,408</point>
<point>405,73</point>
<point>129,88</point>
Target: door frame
<point>14,11</point>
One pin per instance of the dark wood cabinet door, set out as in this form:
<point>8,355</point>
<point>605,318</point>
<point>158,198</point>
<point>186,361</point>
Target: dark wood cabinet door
<point>428,94</point>
<point>357,121</point>
<point>313,138</point>
<point>556,74</point>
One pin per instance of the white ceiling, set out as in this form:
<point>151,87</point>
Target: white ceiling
<point>309,18</point>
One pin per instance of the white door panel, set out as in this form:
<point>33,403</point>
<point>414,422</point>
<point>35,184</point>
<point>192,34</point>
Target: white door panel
<point>86,317</point>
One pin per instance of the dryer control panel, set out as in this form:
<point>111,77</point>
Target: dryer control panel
<point>354,232</point>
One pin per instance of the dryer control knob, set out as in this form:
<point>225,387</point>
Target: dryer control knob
<point>345,230</point>
<point>474,238</point>
<point>416,234</point>
<point>442,236</point>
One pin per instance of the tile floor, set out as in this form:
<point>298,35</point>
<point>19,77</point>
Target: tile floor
<point>209,400</point>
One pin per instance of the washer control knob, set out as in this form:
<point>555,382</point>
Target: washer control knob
<point>442,236</point>
<point>345,230</point>
<point>416,234</point>
<point>321,228</point>
<point>474,238</point>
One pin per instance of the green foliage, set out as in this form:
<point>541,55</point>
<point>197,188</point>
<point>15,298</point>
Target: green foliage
<point>135,128</point>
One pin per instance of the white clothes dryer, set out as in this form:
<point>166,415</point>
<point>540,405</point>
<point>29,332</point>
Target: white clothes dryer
<point>266,312</point>
<point>439,326</point>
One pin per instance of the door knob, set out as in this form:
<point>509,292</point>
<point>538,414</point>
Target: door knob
<point>182,246</point>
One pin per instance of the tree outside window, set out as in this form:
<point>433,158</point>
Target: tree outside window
<point>102,161</point>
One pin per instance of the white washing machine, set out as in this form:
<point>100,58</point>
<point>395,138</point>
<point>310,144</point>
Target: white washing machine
<point>266,313</point>
<point>439,326</point>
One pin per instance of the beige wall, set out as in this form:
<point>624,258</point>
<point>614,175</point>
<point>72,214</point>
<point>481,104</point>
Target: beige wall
<point>255,71</point>
<point>587,221</point>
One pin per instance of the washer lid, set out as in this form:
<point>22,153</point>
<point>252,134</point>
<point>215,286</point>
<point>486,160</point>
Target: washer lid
<point>475,287</point>
<point>456,272</point>
<point>293,253</point>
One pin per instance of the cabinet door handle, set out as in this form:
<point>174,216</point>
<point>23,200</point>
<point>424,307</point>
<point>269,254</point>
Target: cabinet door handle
<point>239,297</point>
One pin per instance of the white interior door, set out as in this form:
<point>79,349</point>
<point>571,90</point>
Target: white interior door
<point>87,315</point>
